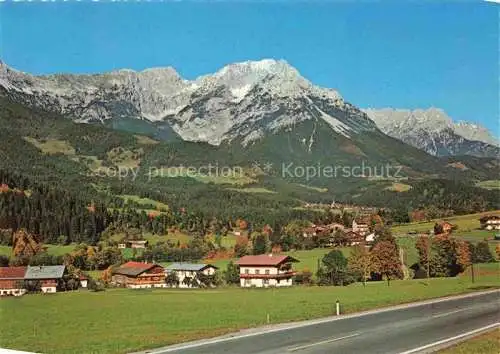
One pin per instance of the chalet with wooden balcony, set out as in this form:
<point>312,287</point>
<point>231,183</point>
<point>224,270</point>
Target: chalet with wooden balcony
<point>490,222</point>
<point>137,275</point>
<point>11,281</point>
<point>266,270</point>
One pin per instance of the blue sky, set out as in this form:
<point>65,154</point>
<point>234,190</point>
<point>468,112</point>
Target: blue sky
<point>376,54</point>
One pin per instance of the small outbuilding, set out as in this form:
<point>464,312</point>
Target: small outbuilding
<point>189,270</point>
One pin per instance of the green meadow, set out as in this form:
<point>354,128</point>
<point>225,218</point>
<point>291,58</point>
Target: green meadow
<point>465,223</point>
<point>123,320</point>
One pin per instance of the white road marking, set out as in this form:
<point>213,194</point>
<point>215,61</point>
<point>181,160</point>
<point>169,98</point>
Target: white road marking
<point>284,327</point>
<point>322,342</point>
<point>466,334</point>
<point>448,313</point>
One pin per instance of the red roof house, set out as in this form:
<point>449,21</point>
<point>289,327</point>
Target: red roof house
<point>11,279</point>
<point>266,270</point>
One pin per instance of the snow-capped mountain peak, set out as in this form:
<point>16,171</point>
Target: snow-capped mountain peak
<point>242,101</point>
<point>245,99</point>
<point>434,131</point>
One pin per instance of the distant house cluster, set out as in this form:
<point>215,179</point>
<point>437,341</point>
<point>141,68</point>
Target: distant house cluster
<point>443,227</point>
<point>12,279</point>
<point>255,271</point>
<point>359,232</point>
<point>134,244</point>
<point>361,228</point>
<point>490,222</point>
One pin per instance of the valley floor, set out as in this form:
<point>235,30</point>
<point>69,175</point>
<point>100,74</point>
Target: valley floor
<point>123,320</point>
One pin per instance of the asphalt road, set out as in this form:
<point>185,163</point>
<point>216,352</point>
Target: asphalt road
<point>395,331</point>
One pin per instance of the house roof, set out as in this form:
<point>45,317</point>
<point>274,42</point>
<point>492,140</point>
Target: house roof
<point>12,272</point>
<point>189,266</point>
<point>489,217</point>
<point>134,268</point>
<point>45,272</point>
<point>444,222</point>
<point>265,259</point>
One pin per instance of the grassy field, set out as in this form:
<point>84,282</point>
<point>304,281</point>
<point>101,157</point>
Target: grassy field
<point>235,177</point>
<point>122,320</point>
<point>252,190</point>
<point>5,250</point>
<point>411,254</point>
<point>144,201</point>
<point>313,188</point>
<point>398,187</point>
<point>491,184</point>
<point>52,146</point>
<point>487,343</point>
<point>146,140</point>
<point>57,250</point>
<point>468,226</point>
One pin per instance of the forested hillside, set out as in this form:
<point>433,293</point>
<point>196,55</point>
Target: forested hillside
<point>55,169</point>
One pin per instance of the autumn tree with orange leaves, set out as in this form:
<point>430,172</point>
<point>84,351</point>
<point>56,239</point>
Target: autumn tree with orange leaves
<point>448,256</point>
<point>385,260</point>
<point>25,244</point>
<point>241,246</point>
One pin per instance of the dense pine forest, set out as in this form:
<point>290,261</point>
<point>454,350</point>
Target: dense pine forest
<point>51,170</point>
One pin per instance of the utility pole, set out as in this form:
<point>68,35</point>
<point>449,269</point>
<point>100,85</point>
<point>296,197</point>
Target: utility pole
<point>472,271</point>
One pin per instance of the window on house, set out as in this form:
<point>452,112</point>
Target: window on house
<point>266,281</point>
<point>279,281</point>
<point>267,271</point>
<point>257,271</point>
<point>247,271</point>
<point>247,281</point>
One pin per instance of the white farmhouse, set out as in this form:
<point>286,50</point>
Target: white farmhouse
<point>189,270</point>
<point>266,270</point>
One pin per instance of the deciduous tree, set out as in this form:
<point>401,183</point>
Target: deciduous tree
<point>334,269</point>
<point>261,244</point>
<point>172,280</point>
<point>232,273</point>
<point>482,253</point>
<point>360,263</point>
<point>385,260</point>
<point>241,246</point>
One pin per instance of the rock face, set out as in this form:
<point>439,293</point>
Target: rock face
<point>243,100</point>
<point>433,131</point>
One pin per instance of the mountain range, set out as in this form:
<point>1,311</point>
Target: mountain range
<point>79,132</point>
<point>244,102</point>
<point>433,131</point>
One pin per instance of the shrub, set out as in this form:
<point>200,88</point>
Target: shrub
<point>32,286</point>
<point>95,285</point>
<point>482,254</point>
<point>304,278</point>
